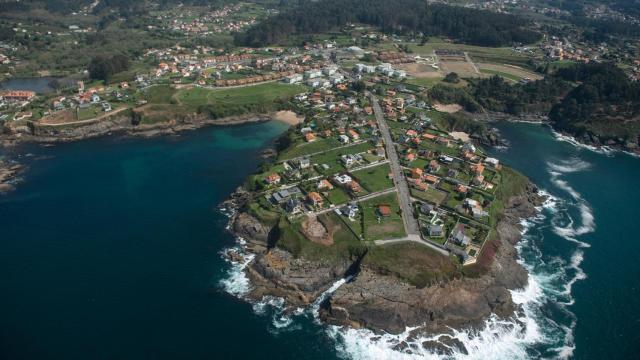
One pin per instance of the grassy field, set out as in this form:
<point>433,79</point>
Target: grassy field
<point>345,244</point>
<point>500,73</point>
<point>255,94</point>
<point>498,55</point>
<point>304,148</point>
<point>414,263</point>
<point>338,196</point>
<point>375,178</point>
<point>160,94</point>
<point>377,227</point>
<point>432,195</point>
<point>88,113</point>
<point>425,82</point>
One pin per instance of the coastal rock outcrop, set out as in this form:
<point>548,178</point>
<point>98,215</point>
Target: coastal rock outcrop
<point>384,302</point>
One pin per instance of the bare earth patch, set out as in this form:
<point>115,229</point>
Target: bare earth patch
<point>59,117</point>
<point>510,69</point>
<point>449,108</point>
<point>459,135</point>
<point>420,70</point>
<point>288,117</point>
<point>462,68</point>
<point>316,232</point>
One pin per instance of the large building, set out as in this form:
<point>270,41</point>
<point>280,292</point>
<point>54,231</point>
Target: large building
<point>18,95</point>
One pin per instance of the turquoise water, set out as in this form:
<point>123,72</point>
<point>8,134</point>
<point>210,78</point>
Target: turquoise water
<point>584,252</point>
<point>110,248</point>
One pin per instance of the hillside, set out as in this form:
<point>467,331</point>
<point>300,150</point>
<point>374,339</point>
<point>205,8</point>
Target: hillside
<point>402,16</point>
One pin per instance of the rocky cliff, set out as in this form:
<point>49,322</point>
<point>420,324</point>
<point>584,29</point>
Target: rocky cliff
<point>384,302</point>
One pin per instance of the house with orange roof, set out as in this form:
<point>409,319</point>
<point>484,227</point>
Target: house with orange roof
<point>310,137</point>
<point>315,199</point>
<point>411,133</point>
<point>354,187</point>
<point>461,189</point>
<point>477,168</point>
<point>325,184</point>
<point>384,210</point>
<point>421,185</point>
<point>417,173</point>
<point>272,179</point>
<point>429,136</point>
<point>431,179</point>
<point>353,134</point>
<point>410,157</point>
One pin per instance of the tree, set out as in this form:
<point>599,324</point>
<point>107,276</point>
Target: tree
<point>452,78</point>
<point>103,68</point>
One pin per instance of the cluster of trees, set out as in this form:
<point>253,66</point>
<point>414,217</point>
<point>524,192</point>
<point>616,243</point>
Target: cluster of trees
<point>219,111</point>
<point>496,94</point>
<point>104,67</point>
<point>450,95</point>
<point>399,16</point>
<point>605,94</point>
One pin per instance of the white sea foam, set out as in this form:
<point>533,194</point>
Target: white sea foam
<point>515,338</point>
<point>569,166</point>
<point>236,283</point>
<point>605,150</point>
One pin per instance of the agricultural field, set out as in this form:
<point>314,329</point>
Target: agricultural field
<point>255,94</point>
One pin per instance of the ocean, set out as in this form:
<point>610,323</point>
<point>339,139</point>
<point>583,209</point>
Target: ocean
<point>111,248</point>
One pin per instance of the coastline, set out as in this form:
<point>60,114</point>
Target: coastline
<point>11,169</point>
<point>378,302</point>
<point>586,141</point>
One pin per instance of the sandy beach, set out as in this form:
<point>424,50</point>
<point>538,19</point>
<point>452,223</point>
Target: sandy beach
<point>288,117</point>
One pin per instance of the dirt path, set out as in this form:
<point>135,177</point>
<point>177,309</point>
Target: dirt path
<point>88,121</point>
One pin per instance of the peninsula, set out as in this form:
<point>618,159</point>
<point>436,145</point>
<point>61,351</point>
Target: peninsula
<point>374,189</point>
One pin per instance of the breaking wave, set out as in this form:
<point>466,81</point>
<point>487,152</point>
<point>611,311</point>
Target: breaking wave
<point>605,150</point>
<point>236,282</point>
<point>565,226</point>
<point>542,328</point>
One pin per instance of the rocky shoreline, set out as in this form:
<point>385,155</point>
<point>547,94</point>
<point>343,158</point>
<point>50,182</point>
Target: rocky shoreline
<point>589,140</point>
<point>9,175</point>
<point>121,125</point>
<point>380,302</point>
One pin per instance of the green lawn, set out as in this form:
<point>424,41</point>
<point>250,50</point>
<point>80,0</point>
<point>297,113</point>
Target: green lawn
<point>255,94</point>
<point>89,113</point>
<point>503,74</point>
<point>160,94</point>
<point>338,196</point>
<point>345,244</point>
<point>425,82</point>
<point>378,228</point>
<point>375,178</point>
<point>305,148</point>
<point>432,195</point>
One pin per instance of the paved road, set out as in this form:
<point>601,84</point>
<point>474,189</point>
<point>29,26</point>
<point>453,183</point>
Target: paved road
<point>414,238</point>
<point>410,223</point>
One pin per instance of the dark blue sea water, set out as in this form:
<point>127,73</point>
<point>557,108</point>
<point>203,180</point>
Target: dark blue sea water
<point>37,84</point>
<point>110,249</point>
